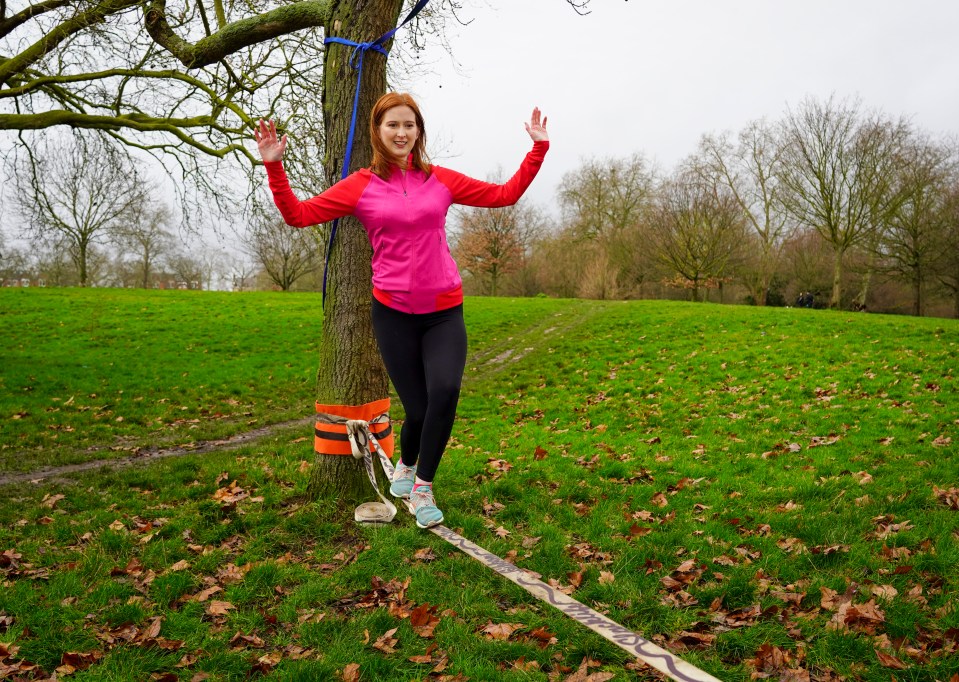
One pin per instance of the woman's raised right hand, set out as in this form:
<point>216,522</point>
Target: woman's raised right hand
<point>271,148</point>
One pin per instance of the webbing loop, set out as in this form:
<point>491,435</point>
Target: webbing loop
<point>356,61</point>
<point>363,443</point>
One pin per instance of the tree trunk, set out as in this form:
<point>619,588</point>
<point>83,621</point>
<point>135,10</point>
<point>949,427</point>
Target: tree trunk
<point>860,303</point>
<point>82,263</point>
<point>918,303</point>
<point>835,301</point>
<point>350,369</point>
<point>767,269</point>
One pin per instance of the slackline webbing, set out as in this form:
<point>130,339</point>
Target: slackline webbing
<point>652,655</point>
<point>361,437</point>
<point>356,61</point>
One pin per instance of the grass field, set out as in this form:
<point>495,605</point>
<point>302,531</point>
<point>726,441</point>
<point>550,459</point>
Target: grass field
<point>769,493</point>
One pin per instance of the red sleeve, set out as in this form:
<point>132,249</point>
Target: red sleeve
<point>336,202</point>
<point>470,192</point>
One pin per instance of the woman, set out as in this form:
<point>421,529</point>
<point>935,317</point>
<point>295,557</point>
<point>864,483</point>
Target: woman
<point>402,201</point>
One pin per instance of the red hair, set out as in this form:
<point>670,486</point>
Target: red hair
<point>381,155</point>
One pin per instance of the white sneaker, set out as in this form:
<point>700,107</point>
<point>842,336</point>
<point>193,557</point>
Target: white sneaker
<point>403,477</point>
<point>424,506</point>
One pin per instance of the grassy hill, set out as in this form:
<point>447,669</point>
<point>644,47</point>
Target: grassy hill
<point>760,490</point>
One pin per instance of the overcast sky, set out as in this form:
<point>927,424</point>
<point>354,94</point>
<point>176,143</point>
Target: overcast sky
<point>653,76</point>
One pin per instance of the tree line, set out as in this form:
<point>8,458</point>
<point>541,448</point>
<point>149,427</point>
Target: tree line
<point>831,205</point>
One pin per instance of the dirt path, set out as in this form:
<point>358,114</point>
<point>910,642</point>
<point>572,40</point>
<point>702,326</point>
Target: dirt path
<point>148,455</point>
<point>497,356</point>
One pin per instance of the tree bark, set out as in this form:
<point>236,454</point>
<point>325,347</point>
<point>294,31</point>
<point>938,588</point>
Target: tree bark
<point>835,300</point>
<point>350,369</point>
<point>918,304</point>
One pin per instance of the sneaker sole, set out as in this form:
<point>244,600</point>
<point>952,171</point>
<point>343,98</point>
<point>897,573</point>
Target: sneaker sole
<point>431,524</point>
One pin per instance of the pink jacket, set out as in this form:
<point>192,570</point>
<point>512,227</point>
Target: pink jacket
<point>405,218</point>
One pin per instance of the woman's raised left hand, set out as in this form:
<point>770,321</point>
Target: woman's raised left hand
<point>535,128</point>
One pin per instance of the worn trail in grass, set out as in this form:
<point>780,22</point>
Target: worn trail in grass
<point>767,492</point>
<point>91,376</point>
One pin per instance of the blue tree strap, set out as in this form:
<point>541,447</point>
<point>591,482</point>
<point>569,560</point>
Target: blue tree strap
<point>356,61</point>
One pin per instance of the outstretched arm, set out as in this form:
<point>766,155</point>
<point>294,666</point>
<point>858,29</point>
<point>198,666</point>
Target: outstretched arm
<point>336,202</point>
<point>470,192</point>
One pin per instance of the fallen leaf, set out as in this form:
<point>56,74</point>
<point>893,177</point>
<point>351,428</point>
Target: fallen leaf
<point>219,608</point>
<point>583,675</point>
<point>74,661</point>
<point>424,620</point>
<point>526,666</point>
<point>351,673</point>
<point>425,554</point>
<point>544,637</point>
<point>890,661</point>
<point>691,640</point>
<point>501,631</point>
<point>50,501</point>
<point>206,594</point>
<point>659,500</point>
<point>267,662</point>
<point>386,642</point>
<point>241,641</point>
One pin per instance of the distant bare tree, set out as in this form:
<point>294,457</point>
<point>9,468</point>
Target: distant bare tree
<point>492,243</point>
<point>14,261</point>
<point>838,174</point>
<point>604,196</point>
<point>76,189</point>
<point>188,269</point>
<point>911,239</point>
<point>749,168</point>
<point>556,264</point>
<point>603,201</point>
<point>946,264</point>
<point>144,234</point>
<point>285,254</point>
<point>697,230</point>
<point>53,263</point>
<point>241,272</point>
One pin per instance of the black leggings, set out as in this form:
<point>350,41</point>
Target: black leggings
<point>425,356</point>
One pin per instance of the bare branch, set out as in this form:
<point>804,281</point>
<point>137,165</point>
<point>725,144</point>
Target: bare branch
<point>9,24</point>
<point>136,122</point>
<point>97,14</point>
<point>235,36</point>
